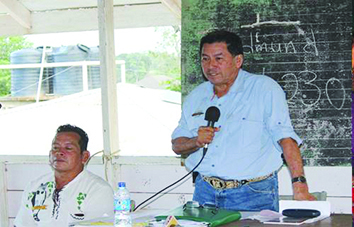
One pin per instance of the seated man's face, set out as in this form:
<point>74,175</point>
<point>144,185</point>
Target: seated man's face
<point>65,155</point>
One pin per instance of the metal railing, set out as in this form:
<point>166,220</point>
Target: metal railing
<point>83,64</point>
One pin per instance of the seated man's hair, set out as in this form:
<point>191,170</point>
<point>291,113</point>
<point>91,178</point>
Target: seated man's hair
<point>83,135</point>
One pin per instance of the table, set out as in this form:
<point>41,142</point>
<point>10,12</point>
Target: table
<point>335,220</point>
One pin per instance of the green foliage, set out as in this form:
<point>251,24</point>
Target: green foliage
<point>171,40</point>
<point>165,64</point>
<point>164,61</point>
<point>168,58</point>
<point>7,46</point>
<point>5,81</point>
<point>137,65</point>
<point>174,84</point>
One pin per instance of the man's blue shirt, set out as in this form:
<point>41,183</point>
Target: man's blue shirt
<point>254,117</point>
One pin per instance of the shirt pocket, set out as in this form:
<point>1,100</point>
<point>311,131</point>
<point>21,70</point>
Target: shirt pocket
<point>252,134</point>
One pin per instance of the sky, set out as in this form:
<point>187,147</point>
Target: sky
<point>126,40</point>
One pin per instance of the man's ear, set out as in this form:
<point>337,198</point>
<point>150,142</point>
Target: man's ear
<point>239,60</point>
<point>85,156</point>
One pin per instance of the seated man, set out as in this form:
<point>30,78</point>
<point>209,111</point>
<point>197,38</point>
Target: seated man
<point>71,193</point>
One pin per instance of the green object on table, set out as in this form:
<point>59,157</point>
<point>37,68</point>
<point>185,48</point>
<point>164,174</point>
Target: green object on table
<point>190,211</point>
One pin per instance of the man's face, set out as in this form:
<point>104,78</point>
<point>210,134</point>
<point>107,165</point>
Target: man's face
<point>65,155</point>
<point>218,65</point>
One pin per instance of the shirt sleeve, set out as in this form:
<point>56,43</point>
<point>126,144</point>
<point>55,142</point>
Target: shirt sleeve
<point>100,202</point>
<point>24,216</point>
<point>277,117</point>
<point>182,128</point>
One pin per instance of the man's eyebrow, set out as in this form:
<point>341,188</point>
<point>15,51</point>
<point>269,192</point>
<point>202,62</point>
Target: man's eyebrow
<point>217,54</point>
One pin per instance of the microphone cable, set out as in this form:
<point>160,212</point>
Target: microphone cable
<point>212,115</point>
<point>204,152</point>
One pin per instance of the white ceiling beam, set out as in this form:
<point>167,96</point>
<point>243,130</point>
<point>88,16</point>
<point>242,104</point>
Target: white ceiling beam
<point>18,12</point>
<point>174,6</point>
<point>55,21</point>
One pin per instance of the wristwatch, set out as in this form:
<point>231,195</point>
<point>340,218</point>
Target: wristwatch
<point>301,179</point>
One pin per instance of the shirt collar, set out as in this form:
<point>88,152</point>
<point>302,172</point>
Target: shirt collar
<point>82,174</point>
<point>238,85</point>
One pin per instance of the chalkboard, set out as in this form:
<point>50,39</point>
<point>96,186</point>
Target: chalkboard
<point>304,45</point>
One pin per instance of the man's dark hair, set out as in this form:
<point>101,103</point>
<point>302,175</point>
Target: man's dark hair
<point>233,41</point>
<point>83,135</point>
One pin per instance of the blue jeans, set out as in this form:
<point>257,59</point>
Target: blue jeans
<point>255,196</point>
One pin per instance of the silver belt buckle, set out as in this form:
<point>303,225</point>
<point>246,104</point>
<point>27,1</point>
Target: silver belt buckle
<point>217,183</point>
<point>233,184</point>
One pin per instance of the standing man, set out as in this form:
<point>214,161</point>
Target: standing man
<point>239,170</point>
<point>71,193</point>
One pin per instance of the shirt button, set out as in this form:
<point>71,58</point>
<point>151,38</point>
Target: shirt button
<point>212,165</point>
<point>219,104</point>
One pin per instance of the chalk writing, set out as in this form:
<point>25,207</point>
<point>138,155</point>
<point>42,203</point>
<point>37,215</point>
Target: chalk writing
<point>311,82</point>
<point>262,44</point>
<point>272,22</point>
<point>310,46</point>
<point>332,81</point>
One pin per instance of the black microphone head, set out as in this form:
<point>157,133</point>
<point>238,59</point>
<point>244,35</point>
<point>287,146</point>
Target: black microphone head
<point>212,114</point>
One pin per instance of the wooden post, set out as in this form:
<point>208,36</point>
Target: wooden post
<point>4,214</point>
<point>108,85</point>
<point>41,71</point>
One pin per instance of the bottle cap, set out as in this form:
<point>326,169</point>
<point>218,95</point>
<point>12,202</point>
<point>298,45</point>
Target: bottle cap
<point>121,184</point>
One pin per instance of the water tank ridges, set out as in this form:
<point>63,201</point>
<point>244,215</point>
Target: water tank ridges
<point>24,82</point>
<point>94,80</point>
<point>68,80</point>
<point>49,72</point>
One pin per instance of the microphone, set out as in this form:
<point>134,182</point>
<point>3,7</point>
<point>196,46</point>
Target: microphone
<point>212,115</point>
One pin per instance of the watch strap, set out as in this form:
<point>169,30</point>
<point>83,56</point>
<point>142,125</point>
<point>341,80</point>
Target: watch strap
<point>301,179</point>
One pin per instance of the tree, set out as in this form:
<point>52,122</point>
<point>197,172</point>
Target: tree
<point>171,40</point>
<point>165,60</point>
<point>169,53</point>
<point>7,46</point>
<point>137,65</point>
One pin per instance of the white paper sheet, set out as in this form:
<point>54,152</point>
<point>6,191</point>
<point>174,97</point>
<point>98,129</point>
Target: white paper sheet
<point>323,206</point>
<point>271,217</point>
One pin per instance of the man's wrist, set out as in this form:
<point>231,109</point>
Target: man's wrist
<point>301,179</point>
<point>197,143</point>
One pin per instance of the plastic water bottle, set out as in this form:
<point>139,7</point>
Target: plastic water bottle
<point>122,216</point>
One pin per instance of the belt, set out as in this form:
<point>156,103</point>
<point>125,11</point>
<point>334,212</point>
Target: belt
<point>218,183</point>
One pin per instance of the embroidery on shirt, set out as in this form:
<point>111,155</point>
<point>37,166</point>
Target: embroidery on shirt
<point>38,198</point>
<point>56,201</point>
<point>79,199</point>
<point>79,216</point>
<point>44,207</point>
